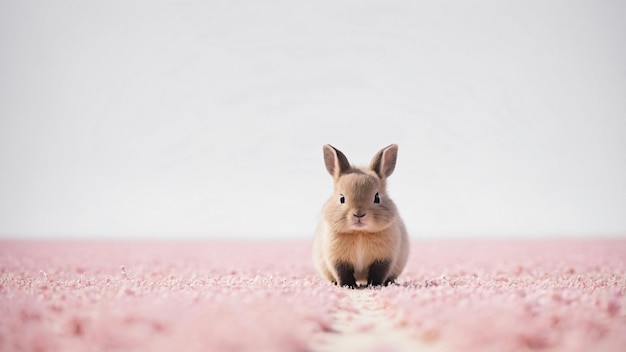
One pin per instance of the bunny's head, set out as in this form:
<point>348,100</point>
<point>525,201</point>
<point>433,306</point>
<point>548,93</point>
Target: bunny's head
<point>359,202</point>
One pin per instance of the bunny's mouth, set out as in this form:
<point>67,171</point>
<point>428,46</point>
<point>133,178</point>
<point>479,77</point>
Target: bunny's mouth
<point>358,224</point>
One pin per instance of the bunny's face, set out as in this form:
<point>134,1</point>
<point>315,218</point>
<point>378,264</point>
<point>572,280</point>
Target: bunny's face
<point>359,203</point>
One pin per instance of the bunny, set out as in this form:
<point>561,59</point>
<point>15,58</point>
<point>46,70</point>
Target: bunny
<point>360,238</point>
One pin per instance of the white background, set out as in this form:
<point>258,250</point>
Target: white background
<point>196,119</point>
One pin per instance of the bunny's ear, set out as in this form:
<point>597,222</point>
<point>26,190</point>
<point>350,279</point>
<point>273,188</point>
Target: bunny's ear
<point>384,162</point>
<point>336,163</point>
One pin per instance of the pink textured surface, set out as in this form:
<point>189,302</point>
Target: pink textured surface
<point>72,296</point>
<point>481,295</point>
<point>515,296</point>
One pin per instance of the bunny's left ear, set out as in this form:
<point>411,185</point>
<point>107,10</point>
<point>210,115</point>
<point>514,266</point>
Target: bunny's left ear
<point>384,162</point>
<point>336,162</point>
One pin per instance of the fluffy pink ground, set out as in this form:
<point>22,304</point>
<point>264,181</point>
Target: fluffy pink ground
<point>265,296</point>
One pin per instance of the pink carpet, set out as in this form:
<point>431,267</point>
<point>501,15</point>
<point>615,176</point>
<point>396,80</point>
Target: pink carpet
<point>265,296</point>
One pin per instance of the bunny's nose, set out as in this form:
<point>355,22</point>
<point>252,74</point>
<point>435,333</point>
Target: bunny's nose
<point>357,215</point>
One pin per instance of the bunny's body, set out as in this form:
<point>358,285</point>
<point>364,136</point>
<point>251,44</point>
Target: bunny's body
<point>361,238</point>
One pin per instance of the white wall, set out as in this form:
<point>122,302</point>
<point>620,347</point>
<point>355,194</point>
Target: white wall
<point>206,118</point>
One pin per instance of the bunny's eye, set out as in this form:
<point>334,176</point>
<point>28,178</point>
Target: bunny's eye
<point>342,199</point>
<point>376,198</point>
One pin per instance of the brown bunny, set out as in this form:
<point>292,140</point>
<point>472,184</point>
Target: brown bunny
<point>361,238</point>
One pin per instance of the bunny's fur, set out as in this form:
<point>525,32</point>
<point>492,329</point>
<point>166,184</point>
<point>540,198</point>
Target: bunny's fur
<point>361,238</point>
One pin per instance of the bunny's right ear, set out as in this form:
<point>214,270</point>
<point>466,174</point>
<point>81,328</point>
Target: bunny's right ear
<point>336,163</point>
<point>384,162</point>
